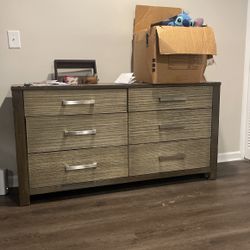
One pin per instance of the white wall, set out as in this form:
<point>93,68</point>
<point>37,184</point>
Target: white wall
<point>102,30</point>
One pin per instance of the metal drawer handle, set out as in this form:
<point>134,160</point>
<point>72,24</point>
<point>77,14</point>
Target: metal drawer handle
<point>81,167</point>
<point>80,132</point>
<point>78,102</point>
<point>173,99</point>
<point>178,156</point>
<point>170,126</point>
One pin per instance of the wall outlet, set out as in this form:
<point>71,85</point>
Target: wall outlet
<point>14,39</point>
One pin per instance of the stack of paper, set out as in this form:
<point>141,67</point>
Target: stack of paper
<point>126,78</point>
<point>46,83</point>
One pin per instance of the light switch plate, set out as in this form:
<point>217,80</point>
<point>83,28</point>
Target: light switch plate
<point>14,39</point>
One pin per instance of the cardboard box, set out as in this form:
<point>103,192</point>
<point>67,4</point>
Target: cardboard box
<point>166,54</point>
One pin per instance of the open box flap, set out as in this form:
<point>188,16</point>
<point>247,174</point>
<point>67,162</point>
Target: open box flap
<point>147,15</point>
<point>186,40</point>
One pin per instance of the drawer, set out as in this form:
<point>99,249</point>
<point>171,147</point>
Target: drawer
<point>68,102</point>
<point>76,166</point>
<point>143,99</point>
<point>45,134</point>
<point>157,126</point>
<point>168,156</point>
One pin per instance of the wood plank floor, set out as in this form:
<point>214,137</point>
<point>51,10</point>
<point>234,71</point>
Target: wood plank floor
<point>181,214</point>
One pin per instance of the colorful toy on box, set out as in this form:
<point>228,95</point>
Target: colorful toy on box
<point>185,20</point>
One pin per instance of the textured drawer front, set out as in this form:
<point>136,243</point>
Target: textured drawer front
<point>143,99</point>
<point>52,169</point>
<point>157,126</point>
<point>68,102</point>
<point>46,134</point>
<point>168,156</point>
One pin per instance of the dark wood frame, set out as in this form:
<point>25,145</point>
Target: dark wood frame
<point>214,131</point>
<point>21,147</point>
<point>21,142</point>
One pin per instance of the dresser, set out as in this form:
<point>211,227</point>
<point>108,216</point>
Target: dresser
<point>72,137</point>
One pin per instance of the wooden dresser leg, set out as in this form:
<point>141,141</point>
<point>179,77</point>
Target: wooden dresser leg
<point>24,199</point>
<point>212,176</point>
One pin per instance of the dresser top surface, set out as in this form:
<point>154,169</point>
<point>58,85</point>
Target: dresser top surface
<point>108,86</point>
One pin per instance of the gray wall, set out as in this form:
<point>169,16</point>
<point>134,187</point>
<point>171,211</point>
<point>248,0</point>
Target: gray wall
<point>103,30</point>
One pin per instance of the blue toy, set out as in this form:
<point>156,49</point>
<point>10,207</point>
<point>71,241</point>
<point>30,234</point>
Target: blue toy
<point>182,20</point>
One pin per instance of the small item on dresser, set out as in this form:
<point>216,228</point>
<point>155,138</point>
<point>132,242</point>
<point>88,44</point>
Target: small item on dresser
<point>91,79</point>
<point>88,80</point>
<point>73,80</point>
<point>75,72</point>
<point>45,83</point>
<point>126,78</point>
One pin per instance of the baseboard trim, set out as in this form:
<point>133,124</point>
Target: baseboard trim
<point>230,156</point>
